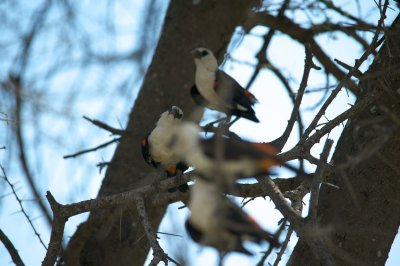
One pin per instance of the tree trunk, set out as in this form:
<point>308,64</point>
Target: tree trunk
<point>363,233</point>
<point>115,236</point>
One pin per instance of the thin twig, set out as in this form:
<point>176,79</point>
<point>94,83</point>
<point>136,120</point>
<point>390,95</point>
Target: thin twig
<point>374,44</point>
<point>302,148</point>
<point>11,249</point>
<point>308,65</point>
<point>101,146</point>
<point>104,126</point>
<point>21,206</point>
<point>271,247</point>
<point>315,186</point>
<point>356,72</point>
<point>303,229</point>
<point>158,253</point>
<point>21,147</point>
<point>284,246</point>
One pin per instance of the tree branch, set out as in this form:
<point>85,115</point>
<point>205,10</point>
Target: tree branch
<point>303,36</point>
<point>156,197</point>
<point>104,126</point>
<point>315,185</point>
<point>308,64</point>
<point>101,146</point>
<point>21,146</point>
<point>303,229</point>
<point>11,249</point>
<point>21,206</point>
<point>158,253</point>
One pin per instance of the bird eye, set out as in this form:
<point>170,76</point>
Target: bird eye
<point>204,53</point>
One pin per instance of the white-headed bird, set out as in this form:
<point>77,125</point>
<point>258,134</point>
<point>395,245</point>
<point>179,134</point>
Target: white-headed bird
<point>232,158</point>
<point>155,145</point>
<point>218,222</point>
<point>217,90</point>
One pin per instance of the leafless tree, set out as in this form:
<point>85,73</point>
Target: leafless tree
<point>353,213</point>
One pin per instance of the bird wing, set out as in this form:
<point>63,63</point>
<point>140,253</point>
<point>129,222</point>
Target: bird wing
<point>144,143</point>
<point>197,97</point>
<point>232,91</point>
<point>239,223</point>
<point>235,149</point>
<point>193,231</point>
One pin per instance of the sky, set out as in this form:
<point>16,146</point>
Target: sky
<point>273,110</point>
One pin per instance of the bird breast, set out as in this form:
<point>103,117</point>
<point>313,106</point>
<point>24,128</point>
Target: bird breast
<point>205,84</point>
<point>159,141</point>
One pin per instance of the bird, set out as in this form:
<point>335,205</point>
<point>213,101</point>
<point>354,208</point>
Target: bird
<point>218,222</point>
<point>216,90</point>
<point>154,145</point>
<point>232,158</point>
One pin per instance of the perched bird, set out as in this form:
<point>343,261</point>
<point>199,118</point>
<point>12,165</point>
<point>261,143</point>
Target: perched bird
<point>218,222</point>
<point>217,90</point>
<point>155,145</point>
<point>232,158</point>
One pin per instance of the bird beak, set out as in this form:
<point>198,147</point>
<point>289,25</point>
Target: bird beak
<point>176,112</point>
<point>196,53</point>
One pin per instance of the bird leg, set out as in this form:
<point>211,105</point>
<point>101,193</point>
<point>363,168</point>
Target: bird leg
<point>179,180</point>
<point>231,123</point>
<point>210,126</point>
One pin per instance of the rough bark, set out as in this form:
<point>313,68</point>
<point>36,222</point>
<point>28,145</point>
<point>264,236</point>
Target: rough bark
<point>365,222</point>
<point>115,236</point>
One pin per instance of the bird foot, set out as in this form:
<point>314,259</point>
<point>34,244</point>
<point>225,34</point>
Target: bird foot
<point>222,124</point>
<point>178,181</point>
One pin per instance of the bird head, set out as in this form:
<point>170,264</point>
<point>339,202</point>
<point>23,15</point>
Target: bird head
<point>171,116</point>
<point>176,112</point>
<point>203,57</point>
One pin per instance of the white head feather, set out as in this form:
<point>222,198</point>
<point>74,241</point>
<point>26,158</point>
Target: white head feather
<point>205,59</point>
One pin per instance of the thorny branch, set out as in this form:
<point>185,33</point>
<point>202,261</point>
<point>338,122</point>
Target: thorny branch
<point>21,206</point>
<point>309,64</point>
<point>271,247</point>
<point>100,124</point>
<point>104,126</point>
<point>63,212</point>
<point>302,228</point>
<point>158,253</point>
<point>315,185</point>
<point>101,146</point>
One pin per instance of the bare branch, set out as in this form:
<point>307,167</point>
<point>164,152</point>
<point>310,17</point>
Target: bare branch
<point>11,249</point>
<point>357,73</point>
<point>104,126</point>
<point>101,146</point>
<point>280,142</point>
<point>57,231</point>
<point>21,146</point>
<point>284,246</point>
<point>21,206</point>
<point>303,229</point>
<point>158,253</point>
<point>303,36</point>
<point>315,186</point>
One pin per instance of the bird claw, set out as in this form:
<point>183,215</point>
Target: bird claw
<point>223,122</point>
